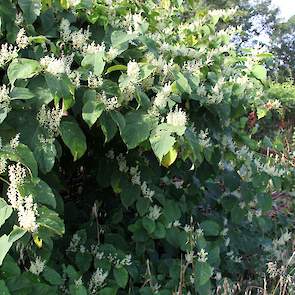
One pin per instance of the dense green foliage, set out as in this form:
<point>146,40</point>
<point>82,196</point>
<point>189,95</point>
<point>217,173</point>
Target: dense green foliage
<point>261,22</point>
<point>128,162</point>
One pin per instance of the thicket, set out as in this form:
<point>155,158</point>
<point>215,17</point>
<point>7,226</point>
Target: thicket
<point>134,157</point>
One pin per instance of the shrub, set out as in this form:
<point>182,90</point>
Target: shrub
<point>126,162</point>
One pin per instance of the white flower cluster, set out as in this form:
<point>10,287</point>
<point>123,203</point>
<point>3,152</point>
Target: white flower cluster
<point>253,58</point>
<point>78,282</point>
<point>126,261</point>
<point>77,38</point>
<point>97,280</point>
<point>16,176</point>
<point>7,53</point>
<point>65,31</point>
<point>27,214</point>
<point>193,67</point>
<point>162,96</point>
<point>162,67</point>
<point>201,91</point>
<point>204,138</point>
<point>110,103</point>
<point>122,163</point>
<point>132,23</point>
<point>94,48</point>
<point>19,18</point>
<point>189,257</point>
<point>234,258</point>
<point>111,54</point>
<point>26,208</point>
<point>177,118</point>
<point>75,77</point>
<point>128,88</point>
<point>273,269</point>
<point>133,71</point>
<point>177,182</point>
<point>74,3</point>
<point>216,95</point>
<point>146,191</point>
<point>135,175</point>
<point>50,119</point>
<point>22,40</point>
<point>3,165</point>
<point>14,142</point>
<point>110,154</point>
<point>177,50</point>
<point>37,266</point>
<point>4,99</point>
<point>93,81</point>
<point>57,66</point>
<point>74,243</point>
<point>222,13</point>
<point>80,38</point>
<point>111,257</point>
<point>154,212</point>
<point>270,170</point>
<point>202,255</point>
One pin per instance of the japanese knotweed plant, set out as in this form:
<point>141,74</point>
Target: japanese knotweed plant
<point>126,162</point>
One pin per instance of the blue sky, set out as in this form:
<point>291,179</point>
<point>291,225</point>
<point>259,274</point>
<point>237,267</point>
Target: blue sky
<point>287,7</point>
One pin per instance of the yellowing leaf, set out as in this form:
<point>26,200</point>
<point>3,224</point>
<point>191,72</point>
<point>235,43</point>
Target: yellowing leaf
<point>169,158</point>
<point>38,241</point>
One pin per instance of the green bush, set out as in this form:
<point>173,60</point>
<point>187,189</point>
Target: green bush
<point>126,162</point>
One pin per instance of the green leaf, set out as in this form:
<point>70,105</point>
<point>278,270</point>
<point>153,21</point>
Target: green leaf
<point>61,87</point>
<point>171,211</point>
<point>78,290</point>
<point>210,228</point>
<point>261,112</point>
<point>108,291</point>
<point>181,84</point>
<point>108,126</point>
<point>121,276</point>
<point>264,202</point>
<point>4,247</point>
<point>83,261</point>
<point>21,93</point>
<point>7,241</point>
<point>40,191</point>
<point>50,220</point>
<point>129,194</point>
<point>161,142</point>
<point>148,224</point>
<point>45,154</point>
<point>31,9</point>
<point>142,205</point>
<point>203,272</point>
<point>16,234</point>
<point>9,268</point>
<point>92,109</point>
<point>7,12</point>
<point>52,276</point>
<point>121,39</point>
<point>5,211</point>
<point>116,68</point>
<point>3,289</point>
<point>22,68</point>
<point>73,137</point>
<point>259,72</point>
<point>23,155</point>
<point>95,61</point>
<point>119,119</point>
<point>137,129</point>
<point>146,70</point>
